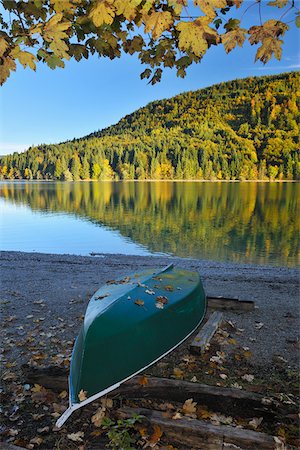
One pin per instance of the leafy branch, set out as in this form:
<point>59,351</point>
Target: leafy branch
<point>53,31</point>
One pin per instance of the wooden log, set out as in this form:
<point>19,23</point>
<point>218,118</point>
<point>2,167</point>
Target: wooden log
<point>51,377</point>
<point>203,338</point>
<point>8,446</point>
<point>230,304</point>
<point>225,400</point>
<point>193,433</point>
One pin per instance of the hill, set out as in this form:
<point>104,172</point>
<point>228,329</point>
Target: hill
<point>242,129</point>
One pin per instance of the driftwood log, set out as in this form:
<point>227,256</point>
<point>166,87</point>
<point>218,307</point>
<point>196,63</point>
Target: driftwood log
<point>206,333</point>
<point>193,433</point>
<point>225,400</point>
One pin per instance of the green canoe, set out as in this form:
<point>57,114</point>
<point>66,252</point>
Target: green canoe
<point>130,324</point>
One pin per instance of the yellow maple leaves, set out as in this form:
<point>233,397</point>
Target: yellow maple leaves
<point>197,36</point>
<point>71,28</point>
<point>25,58</point>
<point>103,12</point>
<point>158,22</point>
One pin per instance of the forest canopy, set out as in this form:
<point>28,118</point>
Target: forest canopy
<point>244,129</point>
<point>163,33</point>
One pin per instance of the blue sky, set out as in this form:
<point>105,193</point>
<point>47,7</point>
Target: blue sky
<point>49,106</point>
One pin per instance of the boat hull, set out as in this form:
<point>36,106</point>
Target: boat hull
<point>131,324</point>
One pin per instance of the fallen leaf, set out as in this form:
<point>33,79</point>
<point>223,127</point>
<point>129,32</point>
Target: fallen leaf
<point>139,302</point>
<point>189,408</point>
<point>157,434</point>
<point>255,422</point>
<point>178,373</point>
<point>259,325</point>
<point>194,379</point>
<point>247,354</point>
<point>203,413</point>
<point>63,394</point>
<point>217,419</point>
<point>162,299</point>
<point>169,288</point>
<point>36,440</point>
<point>76,437</point>
<point>98,417</point>
<point>248,377</point>
<point>223,376</point>
<point>143,381</point>
<point>12,432</point>
<point>236,386</point>
<point>177,416</point>
<point>37,388</point>
<point>107,402</point>
<point>149,291</point>
<point>82,395</point>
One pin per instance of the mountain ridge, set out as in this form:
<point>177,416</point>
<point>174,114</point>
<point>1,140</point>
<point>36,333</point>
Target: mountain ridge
<point>241,129</point>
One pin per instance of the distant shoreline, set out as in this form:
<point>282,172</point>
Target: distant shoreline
<point>21,180</point>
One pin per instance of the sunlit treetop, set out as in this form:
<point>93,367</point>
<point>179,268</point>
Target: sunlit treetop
<point>163,33</point>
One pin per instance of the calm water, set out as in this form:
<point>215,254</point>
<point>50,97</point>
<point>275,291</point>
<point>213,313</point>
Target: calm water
<point>238,222</point>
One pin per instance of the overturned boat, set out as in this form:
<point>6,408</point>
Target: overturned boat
<point>130,324</point>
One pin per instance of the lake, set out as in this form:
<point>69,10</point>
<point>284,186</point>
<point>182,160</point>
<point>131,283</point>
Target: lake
<point>244,222</point>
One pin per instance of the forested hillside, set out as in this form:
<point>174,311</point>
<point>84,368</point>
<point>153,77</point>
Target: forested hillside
<point>242,129</point>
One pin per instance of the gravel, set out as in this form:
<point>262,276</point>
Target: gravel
<point>58,287</point>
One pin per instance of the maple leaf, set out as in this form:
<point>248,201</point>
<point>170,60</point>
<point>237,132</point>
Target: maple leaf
<point>255,422</point>
<point>127,9</point>
<point>76,437</point>
<point>3,45</point>
<point>156,435</point>
<point>162,299</point>
<point>196,37</point>
<point>54,29</point>
<point>107,402</point>
<point>177,416</point>
<point>176,5</point>
<point>268,35</point>
<point>102,13</point>
<point>82,395</point>
<point>178,373</point>
<point>134,45</point>
<point>65,5</point>
<point>63,394</point>
<point>143,381</point>
<point>139,302</point>
<point>189,408</point>
<point>278,3</point>
<point>169,288</point>
<point>237,3</point>
<point>36,440</point>
<point>269,47</point>
<point>79,51</point>
<point>147,6</point>
<point>209,6</point>
<point>25,58</point>
<point>98,417</point>
<point>37,388</point>
<point>60,48</point>
<point>248,377</point>
<point>158,22</point>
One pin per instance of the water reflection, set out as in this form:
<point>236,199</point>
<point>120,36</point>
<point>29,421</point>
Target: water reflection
<point>240,222</point>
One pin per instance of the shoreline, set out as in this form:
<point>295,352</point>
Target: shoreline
<point>64,283</point>
<point>22,180</point>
